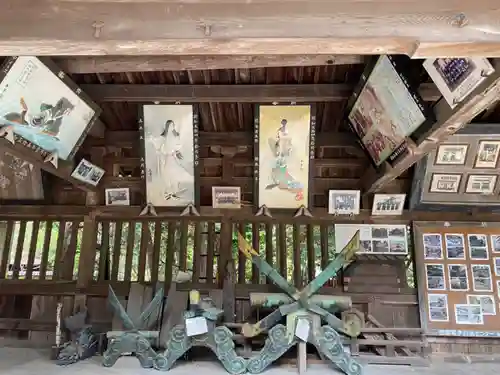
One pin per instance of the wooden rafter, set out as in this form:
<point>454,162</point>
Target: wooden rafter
<point>230,93</point>
<point>448,122</point>
<point>137,27</point>
<point>123,64</point>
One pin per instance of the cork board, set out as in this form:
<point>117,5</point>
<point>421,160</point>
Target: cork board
<point>458,276</point>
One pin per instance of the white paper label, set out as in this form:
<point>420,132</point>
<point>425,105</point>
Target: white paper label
<point>302,329</point>
<point>196,326</point>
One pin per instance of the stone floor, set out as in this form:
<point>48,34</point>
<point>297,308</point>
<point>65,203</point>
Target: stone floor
<point>31,362</point>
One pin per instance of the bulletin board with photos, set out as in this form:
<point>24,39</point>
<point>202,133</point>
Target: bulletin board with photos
<point>458,275</point>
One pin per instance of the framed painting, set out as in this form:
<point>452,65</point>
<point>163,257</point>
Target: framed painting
<point>457,77</point>
<point>44,106</point>
<point>284,145</point>
<point>170,154</point>
<point>384,111</point>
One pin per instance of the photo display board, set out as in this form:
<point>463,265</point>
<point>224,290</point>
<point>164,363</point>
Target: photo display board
<point>373,238</point>
<point>458,275</point>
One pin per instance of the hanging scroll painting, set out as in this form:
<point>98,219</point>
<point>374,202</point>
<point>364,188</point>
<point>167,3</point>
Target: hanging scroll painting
<point>284,140</point>
<point>170,134</point>
<point>43,106</point>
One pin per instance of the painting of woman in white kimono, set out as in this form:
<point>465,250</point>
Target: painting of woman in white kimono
<point>169,155</point>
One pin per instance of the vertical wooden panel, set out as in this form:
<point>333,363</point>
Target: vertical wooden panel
<point>210,251</point>
<point>282,249</point>
<point>183,245</point>
<point>297,277</point>
<point>117,250</point>
<point>32,250</point>
<point>143,254</point>
<point>225,252</point>
<point>19,250</point>
<point>324,246</point>
<point>156,253</point>
<point>169,262</point>
<point>242,228</point>
<point>130,251</point>
<point>45,249</point>
<point>104,252</point>
<point>311,254</point>
<point>256,246</point>
<point>197,257</point>
<point>269,247</point>
<point>59,250</point>
<point>68,262</point>
<point>87,255</point>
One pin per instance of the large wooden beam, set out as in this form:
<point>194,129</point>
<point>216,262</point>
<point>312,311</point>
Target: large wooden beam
<point>121,64</point>
<point>178,27</point>
<point>448,122</point>
<point>230,93</point>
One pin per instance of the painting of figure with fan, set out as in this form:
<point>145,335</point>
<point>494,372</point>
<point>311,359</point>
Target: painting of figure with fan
<point>169,155</point>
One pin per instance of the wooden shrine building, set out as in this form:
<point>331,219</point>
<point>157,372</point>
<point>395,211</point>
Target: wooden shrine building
<point>295,130</point>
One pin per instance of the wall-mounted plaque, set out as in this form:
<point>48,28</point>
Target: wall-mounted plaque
<point>226,197</point>
<point>384,110</point>
<point>374,238</point>
<point>461,174</point>
<point>44,106</point>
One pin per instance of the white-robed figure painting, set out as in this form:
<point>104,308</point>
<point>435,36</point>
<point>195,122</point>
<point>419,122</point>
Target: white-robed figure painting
<point>169,154</point>
<point>41,108</point>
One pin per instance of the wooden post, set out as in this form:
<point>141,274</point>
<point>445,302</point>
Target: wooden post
<point>226,269</point>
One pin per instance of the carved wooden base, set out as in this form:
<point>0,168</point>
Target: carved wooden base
<point>325,339</point>
<point>220,341</point>
<point>129,343</point>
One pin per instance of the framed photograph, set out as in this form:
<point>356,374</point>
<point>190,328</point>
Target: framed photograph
<point>457,275</point>
<point>445,183</point>
<point>487,154</point>
<point>435,277</point>
<point>170,133</point>
<point>487,303</point>
<point>87,172</point>
<point>468,314</point>
<point>455,246</point>
<point>497,266</point>
<point>478,247</point>
<point>285,146</point>
<point>498,288</point>
<point>344,202</point>
<point>380,239</point>
<point>44,106</point>
<point>438,307</point>
<point>481,184</point>
<point>226,197</point>
<point>388,204</point>
<point>481,278</point>
<point>384,110</point>
<point>456,78</point>
<point>433,248</point>
<point>495,243</point>
<point>118,197</point>
<point>451,154</point>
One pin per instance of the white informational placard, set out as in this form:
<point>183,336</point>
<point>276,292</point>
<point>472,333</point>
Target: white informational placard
<point>302,329</point>
<point>373,238</point>
<point>196,326</point>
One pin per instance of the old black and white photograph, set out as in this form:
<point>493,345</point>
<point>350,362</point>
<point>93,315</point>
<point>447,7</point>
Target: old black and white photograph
<point>445,183</point>
<point>487,303</point>
<point>487,154</point>
<point>457,274</point>
<point>481,184</point>
<point>397,246</point>
<point>497,266</point>
<point>388,204</point>
<point>435,277</point>
<point>380,232</point>
<point>118,197</point>
<point>455,246</point>
<point>451,154</point>
<point>438,307</point>
<point>481,278</point>
<point>366,246</point>
<point>344,202</point>
<point>468,314</point>
<point>433,248</point>
<point>87,172</point>
<point>495,243</point>
<point>397,231</point>
<point>477,240</point>
<point>380,246</point>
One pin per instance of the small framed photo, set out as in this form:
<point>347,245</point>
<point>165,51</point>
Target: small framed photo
<point>457,274</point>
<point>226,197</point>
<point>87,172</point>
<point>451,155</point>
<point>495,243</point>
<point>344,202</point>
<point>487,154</point>
<point>487,303</point>
<point>435,277</point>
<point>481,281</point>
<point>455,246</point>
<point>468,314</point>
<point>118,197</point>
<point>497,266</point>
<point>481,184</point>
<point>456,78</point>
<point>433,248</point>
<point>445,183</point>
<point>478,247</point>
<point>388,204</point>
<point>438,307</point>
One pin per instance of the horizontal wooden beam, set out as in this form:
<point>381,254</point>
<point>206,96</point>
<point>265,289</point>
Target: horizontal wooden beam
<point>123,64</point>
<point>178,27</point>
<point>301,93</point>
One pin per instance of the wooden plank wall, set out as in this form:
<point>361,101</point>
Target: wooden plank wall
<point>39,266</point>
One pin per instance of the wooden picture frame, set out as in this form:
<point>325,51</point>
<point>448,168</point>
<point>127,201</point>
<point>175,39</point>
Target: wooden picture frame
<point>117,197</point>
<point>384,90</point>
<point>170,136</point>
<point>227,197</point>
<point>447,183</point>
<point>87,172</point>
<point>451,154</point>
<point>51,113</point>
<point>481,184</point>
<point>344,202</point>
<point>271,179</point>
<point>456,78</point>
<point>388,204</point>
<point>487,155</point>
